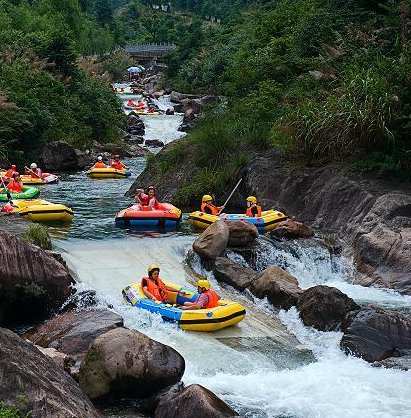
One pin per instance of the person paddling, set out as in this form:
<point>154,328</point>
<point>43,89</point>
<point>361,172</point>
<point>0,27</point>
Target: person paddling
<point>34,171</point>
<point>154,288</point>
<point>130,103</point>
<point>208,207</point>
<point>10,172</point>
<point>208,298</point>
<point>141,105</point>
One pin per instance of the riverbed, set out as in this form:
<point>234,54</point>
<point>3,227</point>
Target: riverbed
<point>268,366</point>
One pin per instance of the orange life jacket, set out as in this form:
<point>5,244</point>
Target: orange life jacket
<point>212,299</point>
<point>249,213</point>
<point>9,173</point>
<point>36,174</point>
<point>159,290</point>
<point>214,209</point>
<point>14,186</point>
<point>99,165</point>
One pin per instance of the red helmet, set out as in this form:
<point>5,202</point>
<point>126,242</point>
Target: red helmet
<point>13,167</point>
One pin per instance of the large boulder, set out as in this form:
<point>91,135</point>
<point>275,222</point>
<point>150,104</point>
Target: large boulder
<point>234,274</point>
<point>125,363</point>
<point>72,332</point>
<point>189,115</point>
<point>156,143</point>
<point>59,155</point>
<point>292,229</point>
<point>241,233</point>
<point>33,283</point>
<point>402,363</point>
<point>213,241</point>
<point>150,404</point>
<point>280,287</point>
<point>376,334</point>
<point>25,371</point>
<point>324,307</point>
<point>210,99</point>
<point>194,401</point>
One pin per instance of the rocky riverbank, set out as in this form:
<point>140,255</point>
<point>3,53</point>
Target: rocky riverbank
<point>82,354</point>
<point>371,216</point>
<point>379,336</point>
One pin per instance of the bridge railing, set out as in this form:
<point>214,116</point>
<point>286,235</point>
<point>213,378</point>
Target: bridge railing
<point>149,48</point>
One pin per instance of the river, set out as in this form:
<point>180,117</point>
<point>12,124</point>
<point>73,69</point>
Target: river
<point>270,365</point>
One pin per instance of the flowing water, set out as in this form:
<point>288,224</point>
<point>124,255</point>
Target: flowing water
<point>268,366</point>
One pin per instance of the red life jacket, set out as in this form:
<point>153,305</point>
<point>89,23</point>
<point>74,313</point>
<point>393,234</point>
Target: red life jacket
<point>249,213</point>
<point>214,209</point>
<point>144,199</point>
<point>212,299</point>
<point>14,186</point>
<point>159,290</point>
<point>153,202</point>
<point>9,173</point>
<point>99,165</point>
<point>116,164</point>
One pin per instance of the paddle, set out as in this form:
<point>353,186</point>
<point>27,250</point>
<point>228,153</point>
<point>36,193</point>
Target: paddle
<point>231,194</point>
<point>7,191</point>
<point>29,169</point>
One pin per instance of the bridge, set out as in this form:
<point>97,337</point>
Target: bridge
<point>149,50</point>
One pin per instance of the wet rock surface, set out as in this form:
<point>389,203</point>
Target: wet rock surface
<point>33,283</point>
<point>126,363</point>
<point>51,392</point>
<point>213,241</point>
<point>194,401</point>
<point>374,214</point>
<point>292,229</point>
<point>235,275</point>
<point>72,332</point>
<point>376,334</point>
<point>280,287</point>
<point>241,234</point>
<point>324,307</point>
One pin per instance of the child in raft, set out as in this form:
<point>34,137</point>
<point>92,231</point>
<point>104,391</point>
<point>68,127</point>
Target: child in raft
<point>147,199</point>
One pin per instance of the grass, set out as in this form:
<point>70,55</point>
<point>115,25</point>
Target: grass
<point>15,411</point>
<point>38,234</point>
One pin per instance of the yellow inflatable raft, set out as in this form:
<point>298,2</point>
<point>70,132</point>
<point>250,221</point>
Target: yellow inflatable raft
<point>107,173</point>
<point>39,210</point>
<point>227,312</point>
<point>268,220</point>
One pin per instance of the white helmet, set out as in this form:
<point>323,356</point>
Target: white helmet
<point>100,158</point>
<point>33,165</point>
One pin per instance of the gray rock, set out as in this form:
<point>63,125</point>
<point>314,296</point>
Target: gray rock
<point>51,392</point>
<point>324,307</point>
<point>156,143</point>
<point>59,155</point>
<point>241,233</point>
<point>280,287</point>
<point>376,334</point>
<point>194,401</point>
<point>189,115</point>
<point>229,272</point>
<point>213,241</point>
<point>125,363</point>
<point>33,283</point>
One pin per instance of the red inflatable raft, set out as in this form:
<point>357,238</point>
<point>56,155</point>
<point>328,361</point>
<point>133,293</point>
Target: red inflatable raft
<point>166,216</point>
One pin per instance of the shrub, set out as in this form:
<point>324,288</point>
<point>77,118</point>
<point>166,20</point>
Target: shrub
<point>38,234</point>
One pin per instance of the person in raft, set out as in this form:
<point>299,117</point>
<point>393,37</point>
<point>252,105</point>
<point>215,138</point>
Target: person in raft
<point>152,200</point>
<point>141,197</point>
<point>99,163</point>
<point>15,184</point>
<point>131,103</point>
<point>150,109</point>
<point>154,288</point>
<point>34,171</point>
<point>253,209</point>
<point>207,206</point>
<point>10,172</point>
<point>207,297</point>
<point>116,163</point>
<point>141,104</point>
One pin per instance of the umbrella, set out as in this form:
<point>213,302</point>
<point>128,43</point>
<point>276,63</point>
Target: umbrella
<point>134,70</point>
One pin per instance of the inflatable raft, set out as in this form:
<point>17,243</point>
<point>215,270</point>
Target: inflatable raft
<point>141,112</point>
<point>268,220</point>
<point>46,178</point>
<point>166,216</point>
<point>227,312</point>
<point>28,193</point>
<point>107,173</point>
<point>40,210</point>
